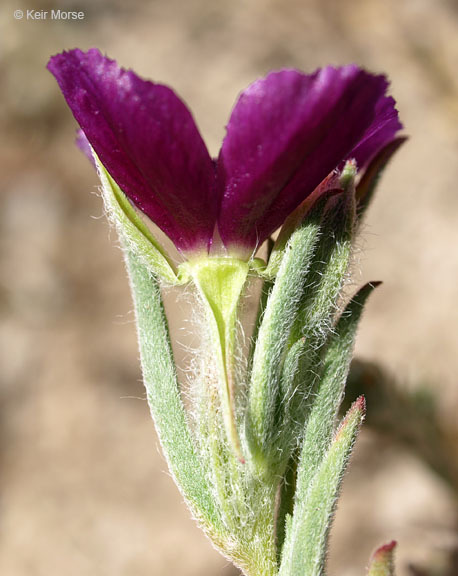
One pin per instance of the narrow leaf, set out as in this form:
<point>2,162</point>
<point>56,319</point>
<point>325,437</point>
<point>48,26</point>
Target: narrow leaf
<point>331,389</point>
<point>164,396</point>
<point>273,336</point>
<point>314,321</point>
<point>328,269</point>
<point>382,561</point>
<point>305,546</point>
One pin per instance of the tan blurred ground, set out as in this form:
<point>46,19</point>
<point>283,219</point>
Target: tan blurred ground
<point>83,489</point>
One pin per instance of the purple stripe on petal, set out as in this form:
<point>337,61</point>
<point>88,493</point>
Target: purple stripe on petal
<point>147,140</point>
<point>287,132</point>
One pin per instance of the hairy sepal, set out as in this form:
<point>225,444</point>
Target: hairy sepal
<point>133,231</point>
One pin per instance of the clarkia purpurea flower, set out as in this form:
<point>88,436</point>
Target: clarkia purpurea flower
<point>261,460</point>
<point>286,134</point>
<point>289,135</point>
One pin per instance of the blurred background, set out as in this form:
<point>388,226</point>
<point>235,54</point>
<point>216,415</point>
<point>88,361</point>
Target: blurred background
<point>84,490</point>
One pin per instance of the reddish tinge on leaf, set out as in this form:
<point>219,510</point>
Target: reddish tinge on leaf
<point>382,560</point>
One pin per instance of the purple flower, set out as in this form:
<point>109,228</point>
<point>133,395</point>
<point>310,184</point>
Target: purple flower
<point>286,134</point>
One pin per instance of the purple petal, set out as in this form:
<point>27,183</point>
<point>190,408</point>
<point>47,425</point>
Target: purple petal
<point>147,140</point>
<point>380,133</point>
<point>287,132</point>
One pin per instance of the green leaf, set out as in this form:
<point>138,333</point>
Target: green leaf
<point>301,370</point>
<point>272,337</point>
<point>163,394</point>
<point>331,389</point>
<point>133,230</point>
<point>382,561</point>
<point>304,551</point>
<point>323,412</point>
<point>328,270</point>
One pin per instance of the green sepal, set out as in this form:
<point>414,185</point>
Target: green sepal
<point>220,282</point>
<point>133,230</point>
<point>382,561</point>
<point>163,394</point>
<point>305,547</point>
